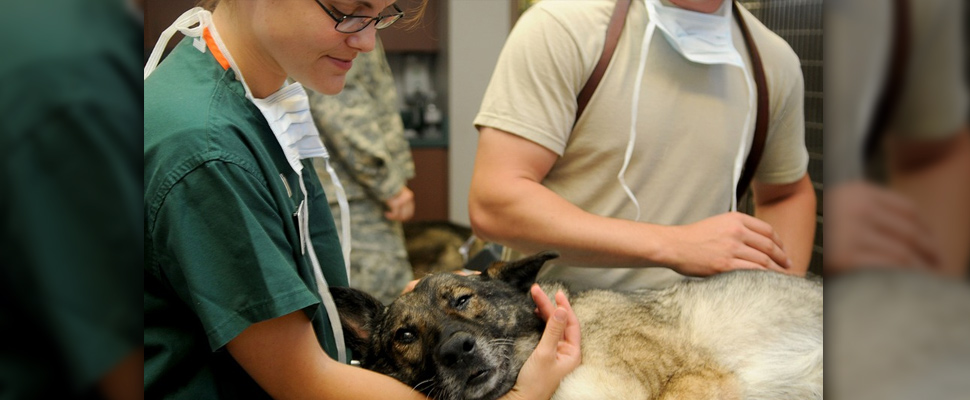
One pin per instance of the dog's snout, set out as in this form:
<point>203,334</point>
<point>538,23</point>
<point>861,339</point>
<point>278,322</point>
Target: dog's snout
<point>456,348</point>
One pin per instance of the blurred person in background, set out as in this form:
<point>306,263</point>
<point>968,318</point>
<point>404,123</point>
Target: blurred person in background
<point>362,129</point>
<point>70,215</point>
<point>914,211</point>
<point>241,247</point>
<point>897,200</point>
<point>680,99</point>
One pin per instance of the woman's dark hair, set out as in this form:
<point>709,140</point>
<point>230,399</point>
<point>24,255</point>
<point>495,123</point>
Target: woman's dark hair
<point>413,10</point>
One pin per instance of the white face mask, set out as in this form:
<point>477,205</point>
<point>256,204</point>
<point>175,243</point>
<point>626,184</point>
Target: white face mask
<point>287,111</point>
<point>701,38</point>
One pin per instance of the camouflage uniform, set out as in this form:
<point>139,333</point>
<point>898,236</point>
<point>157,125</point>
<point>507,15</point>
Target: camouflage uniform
<point>363,131</point>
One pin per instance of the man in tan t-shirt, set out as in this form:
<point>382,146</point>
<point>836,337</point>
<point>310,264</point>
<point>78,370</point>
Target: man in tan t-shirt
<point>920,216</point>
<point>541,183</point>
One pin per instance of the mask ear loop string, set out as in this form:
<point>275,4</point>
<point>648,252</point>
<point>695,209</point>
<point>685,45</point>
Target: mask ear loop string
<point>645,48</point>
<point>344,210</point>
<point>183,23</point>
<point>324,291</point>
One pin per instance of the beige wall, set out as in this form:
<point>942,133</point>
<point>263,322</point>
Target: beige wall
<point>476,32</point>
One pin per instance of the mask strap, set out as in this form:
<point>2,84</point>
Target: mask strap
<point>742,156</point>
<point>323,289</point>
<point>195,16</point>
<point>647,36</point>
<point>331,306</point>
<point>344,211</point>
<point>214,32</point>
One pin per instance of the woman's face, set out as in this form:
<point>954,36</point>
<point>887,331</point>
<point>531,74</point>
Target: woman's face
<point>300,37</point>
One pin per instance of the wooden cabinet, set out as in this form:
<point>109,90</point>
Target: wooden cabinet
<point>430,183</point>
<point>420,36</point>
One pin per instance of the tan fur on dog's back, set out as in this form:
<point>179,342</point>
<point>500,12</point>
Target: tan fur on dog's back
<point>648,359</point>
<point>701,340</point>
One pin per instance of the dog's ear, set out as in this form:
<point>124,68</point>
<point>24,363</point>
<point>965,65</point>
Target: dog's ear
<point>358,310</point>
<point>522,273</point>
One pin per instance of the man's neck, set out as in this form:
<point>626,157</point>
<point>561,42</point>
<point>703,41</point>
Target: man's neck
<point>702,6</point>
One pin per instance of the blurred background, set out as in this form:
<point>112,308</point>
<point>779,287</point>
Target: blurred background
<point>70,208</point>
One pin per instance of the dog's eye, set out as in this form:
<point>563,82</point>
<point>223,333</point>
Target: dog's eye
<point>462,301</point>
<point>405,336</point>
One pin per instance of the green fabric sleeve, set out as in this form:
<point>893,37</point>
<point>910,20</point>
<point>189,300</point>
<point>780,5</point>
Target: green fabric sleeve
<point>225,251</point>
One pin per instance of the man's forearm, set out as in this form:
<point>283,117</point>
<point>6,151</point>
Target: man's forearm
<point>535,219</point>
<point>793,218</point>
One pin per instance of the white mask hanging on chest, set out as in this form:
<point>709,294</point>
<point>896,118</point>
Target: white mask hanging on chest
<point>703,39</point>
<point>699,37</point>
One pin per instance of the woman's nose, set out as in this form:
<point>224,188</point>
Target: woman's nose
<point>364,41</point>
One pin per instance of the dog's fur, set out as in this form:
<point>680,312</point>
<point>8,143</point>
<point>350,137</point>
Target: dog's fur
<point>739,335</point>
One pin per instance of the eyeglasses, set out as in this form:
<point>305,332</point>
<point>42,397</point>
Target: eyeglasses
<point>357,23</point>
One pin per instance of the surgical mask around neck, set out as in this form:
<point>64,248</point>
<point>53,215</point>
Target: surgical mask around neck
<point>700,38</point>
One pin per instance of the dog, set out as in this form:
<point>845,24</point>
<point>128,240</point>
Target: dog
<point>737,335</point>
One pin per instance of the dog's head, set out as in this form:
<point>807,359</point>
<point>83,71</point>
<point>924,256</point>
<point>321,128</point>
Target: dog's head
<point>453,336</point>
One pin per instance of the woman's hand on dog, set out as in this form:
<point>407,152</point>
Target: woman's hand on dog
<point>557,354</point>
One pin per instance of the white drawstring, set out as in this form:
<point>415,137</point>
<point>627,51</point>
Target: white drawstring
<point>344,211</point>
<point>647,36</point>
<point>742,154</point>
<point>651,28</point>
<point>323,289</point>
<point>195,16</point>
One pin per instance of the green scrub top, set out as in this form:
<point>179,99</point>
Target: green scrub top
<point>222,248</point>
<point>70,170</point>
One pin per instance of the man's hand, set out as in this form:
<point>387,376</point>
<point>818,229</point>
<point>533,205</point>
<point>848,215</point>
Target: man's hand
<point>401,206</point>
<point>723,243</point>
<point>870,226</point>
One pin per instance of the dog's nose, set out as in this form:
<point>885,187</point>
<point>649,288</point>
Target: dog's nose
<point>456,348</point>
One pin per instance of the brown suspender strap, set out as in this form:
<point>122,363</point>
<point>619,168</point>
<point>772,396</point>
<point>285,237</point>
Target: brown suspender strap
<point>893,83</point>
<point>761,123</point>
<point>617,20</point>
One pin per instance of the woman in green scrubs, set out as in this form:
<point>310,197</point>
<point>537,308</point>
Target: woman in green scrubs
<point>240,244</point>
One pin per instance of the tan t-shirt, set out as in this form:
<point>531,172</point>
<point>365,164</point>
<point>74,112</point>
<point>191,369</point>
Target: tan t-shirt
<point>934,100</point>
<point>689,124</point>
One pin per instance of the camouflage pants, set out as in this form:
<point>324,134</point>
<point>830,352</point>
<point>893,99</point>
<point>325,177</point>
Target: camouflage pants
<point>378,259</point>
